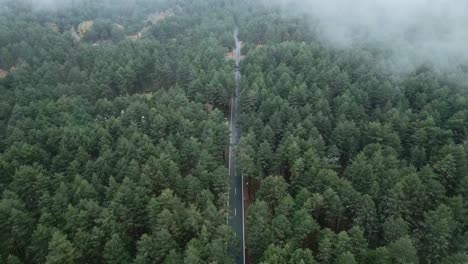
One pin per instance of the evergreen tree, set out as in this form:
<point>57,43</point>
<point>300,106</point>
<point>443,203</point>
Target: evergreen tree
<point>115,251</point>
<point>61,250</point>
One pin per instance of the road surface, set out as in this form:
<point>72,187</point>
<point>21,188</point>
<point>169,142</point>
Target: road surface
<point>236,205</point>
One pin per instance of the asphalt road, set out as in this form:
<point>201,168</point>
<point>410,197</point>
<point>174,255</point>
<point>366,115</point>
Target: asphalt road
<point>236,206</point>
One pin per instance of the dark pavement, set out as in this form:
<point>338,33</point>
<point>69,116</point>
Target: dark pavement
<point>236,207</point>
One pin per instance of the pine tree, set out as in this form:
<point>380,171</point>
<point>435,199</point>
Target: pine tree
<point>61,250</point>
<point>115,251</point>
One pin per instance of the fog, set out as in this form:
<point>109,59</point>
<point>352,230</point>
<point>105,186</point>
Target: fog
<point>49,4</point>
<point>58,4</point>
<point>414,31</point>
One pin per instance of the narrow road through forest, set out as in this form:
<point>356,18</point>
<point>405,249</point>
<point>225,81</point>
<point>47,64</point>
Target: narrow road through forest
<point>236,203</point>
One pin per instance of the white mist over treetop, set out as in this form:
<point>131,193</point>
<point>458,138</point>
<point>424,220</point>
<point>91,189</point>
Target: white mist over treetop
<point>417,30</point>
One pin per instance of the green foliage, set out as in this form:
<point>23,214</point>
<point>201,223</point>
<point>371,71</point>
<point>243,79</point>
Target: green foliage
<point>259,229</point>
<point>366,155</point>
<point>115,251</point>
<point>112,148</point>
<point>394,228</point>
<point>61,250</point>
<point>403,251</point>
<point>102,31</point>
<point>346,258</point>
<point>109,152</point>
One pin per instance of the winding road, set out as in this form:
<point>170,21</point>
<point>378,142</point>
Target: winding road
<point>236,192</point>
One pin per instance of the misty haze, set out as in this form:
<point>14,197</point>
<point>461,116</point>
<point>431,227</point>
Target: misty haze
<point>416,31</point>
<point>233,131</point>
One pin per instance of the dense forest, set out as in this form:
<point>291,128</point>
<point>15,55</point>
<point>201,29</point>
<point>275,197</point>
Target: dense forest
<point>113,139</point>
<point>347,163</point>
<point>112,148</point>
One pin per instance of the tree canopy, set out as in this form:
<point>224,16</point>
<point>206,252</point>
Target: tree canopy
<point>113,139</point>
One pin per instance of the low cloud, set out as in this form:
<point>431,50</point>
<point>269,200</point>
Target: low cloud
<point>415,31</point>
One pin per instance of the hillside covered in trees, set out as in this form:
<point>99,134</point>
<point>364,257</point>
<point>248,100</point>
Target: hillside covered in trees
<point>113,139</point>
<point>109,151</point>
